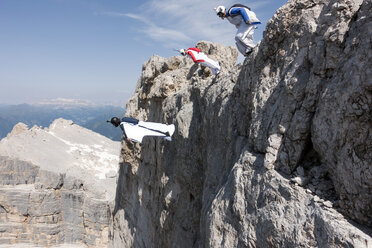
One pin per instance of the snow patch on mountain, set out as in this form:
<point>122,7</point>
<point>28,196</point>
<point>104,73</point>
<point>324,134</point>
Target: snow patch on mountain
<point>65,147</point>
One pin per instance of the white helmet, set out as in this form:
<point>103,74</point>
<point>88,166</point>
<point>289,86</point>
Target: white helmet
<point>182,51</point>
<point>220,9</point>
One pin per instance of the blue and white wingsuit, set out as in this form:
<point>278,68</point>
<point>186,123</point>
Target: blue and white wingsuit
<point>245,21</point>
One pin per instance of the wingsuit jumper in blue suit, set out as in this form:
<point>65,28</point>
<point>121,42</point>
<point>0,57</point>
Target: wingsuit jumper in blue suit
<point>245,21</point>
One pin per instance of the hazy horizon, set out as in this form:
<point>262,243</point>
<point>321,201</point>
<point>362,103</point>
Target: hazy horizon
<point>94,50</point>
<point>66,101</point>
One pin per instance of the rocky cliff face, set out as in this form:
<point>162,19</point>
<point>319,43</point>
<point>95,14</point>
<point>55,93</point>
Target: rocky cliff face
<point>274,152</point>
<point>57,186</point>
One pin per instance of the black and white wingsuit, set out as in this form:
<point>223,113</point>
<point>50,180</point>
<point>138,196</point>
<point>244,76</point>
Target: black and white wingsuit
<point>135,130</point>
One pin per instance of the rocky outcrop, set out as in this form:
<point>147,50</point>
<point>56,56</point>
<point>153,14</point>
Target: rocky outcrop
<point>56,186</point>
<point>274,152</point>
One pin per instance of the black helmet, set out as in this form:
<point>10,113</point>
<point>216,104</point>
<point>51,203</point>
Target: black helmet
<point>115,121</point>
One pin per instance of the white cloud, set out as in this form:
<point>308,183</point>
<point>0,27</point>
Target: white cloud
<point>194,18</point>
<point>181,23</point>
<point>158,33</point>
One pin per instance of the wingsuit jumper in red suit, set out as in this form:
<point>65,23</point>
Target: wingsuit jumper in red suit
<point>199,57</point>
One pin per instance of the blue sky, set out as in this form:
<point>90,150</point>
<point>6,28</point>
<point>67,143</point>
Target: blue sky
<point>94,49</point>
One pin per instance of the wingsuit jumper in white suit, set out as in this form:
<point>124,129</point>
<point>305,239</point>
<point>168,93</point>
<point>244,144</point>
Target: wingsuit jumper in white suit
<point>245,21</point>
<point>135,130</point>
<point>199,57</point>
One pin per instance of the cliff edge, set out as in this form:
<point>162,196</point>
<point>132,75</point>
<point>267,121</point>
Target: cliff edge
<point>274,152</point>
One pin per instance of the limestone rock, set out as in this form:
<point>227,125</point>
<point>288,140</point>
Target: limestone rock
<point>300,180</point>
<point>19,128</point>
<point>344,114</point>
<point>53,188</point>
<point>302,99</point>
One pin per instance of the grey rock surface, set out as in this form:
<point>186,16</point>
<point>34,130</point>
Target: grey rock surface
<point>53,189</point>
<point>342,125</point>
<point>299,106</point>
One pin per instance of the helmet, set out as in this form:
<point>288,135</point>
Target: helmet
<point>115,121</point>
<point>182,51</point>
<point>220,9</point>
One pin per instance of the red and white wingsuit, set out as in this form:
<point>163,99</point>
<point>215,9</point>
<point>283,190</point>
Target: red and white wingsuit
<point>199,57</point>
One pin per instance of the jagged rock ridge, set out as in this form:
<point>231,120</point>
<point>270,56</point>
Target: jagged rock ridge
<point>272,153</point>
<point>57,186</point>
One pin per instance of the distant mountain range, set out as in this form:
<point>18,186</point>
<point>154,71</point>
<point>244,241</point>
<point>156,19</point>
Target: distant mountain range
<point>43,114</point>
<point>65,102</point>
